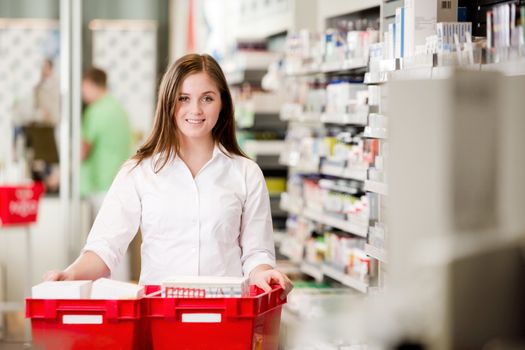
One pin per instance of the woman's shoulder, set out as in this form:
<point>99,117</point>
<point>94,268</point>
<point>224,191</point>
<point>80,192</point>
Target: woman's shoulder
<point>134,167</point>
<point>246,165</point>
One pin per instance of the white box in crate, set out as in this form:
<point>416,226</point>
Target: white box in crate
<point>104,288</point>
<point>62,290</point>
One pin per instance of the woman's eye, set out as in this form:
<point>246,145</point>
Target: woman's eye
<point>207,99</point>
<point>183,98</point>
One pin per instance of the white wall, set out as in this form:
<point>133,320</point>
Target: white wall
<point>48,246</point>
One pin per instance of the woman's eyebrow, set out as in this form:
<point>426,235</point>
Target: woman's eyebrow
<point>204,93</point>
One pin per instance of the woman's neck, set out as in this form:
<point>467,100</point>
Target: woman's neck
<point>196,147</point>
<point>196,153</point>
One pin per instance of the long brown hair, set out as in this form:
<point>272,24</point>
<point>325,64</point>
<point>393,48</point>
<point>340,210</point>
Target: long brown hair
<point>163,138</point>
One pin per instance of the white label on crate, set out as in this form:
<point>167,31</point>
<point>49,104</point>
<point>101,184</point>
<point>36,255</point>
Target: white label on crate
<point>82,319</point>
<point>201,318</point>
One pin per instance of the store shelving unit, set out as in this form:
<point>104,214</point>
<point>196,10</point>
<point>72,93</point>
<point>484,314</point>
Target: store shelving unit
<point>345,279</point>
<point>340,175</point>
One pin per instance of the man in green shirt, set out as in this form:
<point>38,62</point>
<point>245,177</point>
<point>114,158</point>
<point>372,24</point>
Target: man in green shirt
<point>106,136</point>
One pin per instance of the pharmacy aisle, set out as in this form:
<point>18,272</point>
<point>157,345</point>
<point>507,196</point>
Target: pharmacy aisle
<point>366,145</point>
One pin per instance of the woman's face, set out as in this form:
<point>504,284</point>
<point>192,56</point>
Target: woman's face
<point>198,106</point>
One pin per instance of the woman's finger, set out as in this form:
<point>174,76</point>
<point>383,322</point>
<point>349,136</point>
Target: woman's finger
<point>264,285</point>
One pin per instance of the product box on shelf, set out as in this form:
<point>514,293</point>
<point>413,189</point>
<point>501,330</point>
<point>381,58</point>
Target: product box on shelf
<point>421,17</point>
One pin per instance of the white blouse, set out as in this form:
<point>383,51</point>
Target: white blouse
<point>216,224</point>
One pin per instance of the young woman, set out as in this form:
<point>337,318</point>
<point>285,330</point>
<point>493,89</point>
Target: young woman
<point>201,204</point>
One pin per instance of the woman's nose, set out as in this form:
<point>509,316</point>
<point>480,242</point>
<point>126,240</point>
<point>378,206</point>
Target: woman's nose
<point>196,107</point>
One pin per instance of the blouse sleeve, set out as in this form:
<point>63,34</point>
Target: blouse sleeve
<point>256,236</point>
<point>118,219</point>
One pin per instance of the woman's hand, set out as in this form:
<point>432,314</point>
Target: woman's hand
<point>57,275</point>
<point>88,266</point>
<point>264,275</point>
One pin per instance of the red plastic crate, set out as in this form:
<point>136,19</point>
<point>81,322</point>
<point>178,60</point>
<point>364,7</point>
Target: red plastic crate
<point>87,324</point>
<point>248,323</point>
<point>19,204</point>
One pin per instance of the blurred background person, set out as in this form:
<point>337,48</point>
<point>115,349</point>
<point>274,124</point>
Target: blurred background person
<point>106,138</point>
<point>47,96</point>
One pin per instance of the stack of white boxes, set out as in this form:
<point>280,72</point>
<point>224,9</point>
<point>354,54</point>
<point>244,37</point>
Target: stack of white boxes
<point>102,288</point>
<point>415,22</point>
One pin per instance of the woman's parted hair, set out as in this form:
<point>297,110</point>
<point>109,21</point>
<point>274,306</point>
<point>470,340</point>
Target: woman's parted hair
<point>163,139</point>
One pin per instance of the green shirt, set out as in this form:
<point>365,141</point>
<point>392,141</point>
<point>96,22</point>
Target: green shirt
<point>106,127</point>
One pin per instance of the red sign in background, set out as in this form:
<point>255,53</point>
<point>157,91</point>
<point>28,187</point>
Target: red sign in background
<point>19,204</point>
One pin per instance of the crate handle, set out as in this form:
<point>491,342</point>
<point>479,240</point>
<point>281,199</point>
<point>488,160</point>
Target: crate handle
<point>194,317</point>
<point>82,319</point>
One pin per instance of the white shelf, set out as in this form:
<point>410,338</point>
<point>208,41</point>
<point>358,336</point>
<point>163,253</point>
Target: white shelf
<point>376,253</point>
<point>345,279</point>
<point>293,112</point>
<point>376,187</point>
<point>286,253</point>
<point>312,270</point>
<point>234,77</point>
<point>339,188</point>
<point>335,8</point>
<point>358,118</point>
<point>376,77</point>
<point>256,60</point>
<point>375,133</point>
<point>412,74</point>
<point>262,27</point>
<point>345,173</point>
<point>511,68</point>
<point>329,67</point>
<point>256,148</point>
<point>288,267</point>
<point>267,103</point>
<point>305,167</point>
<point>343,225</point>
<point>350,64</point>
